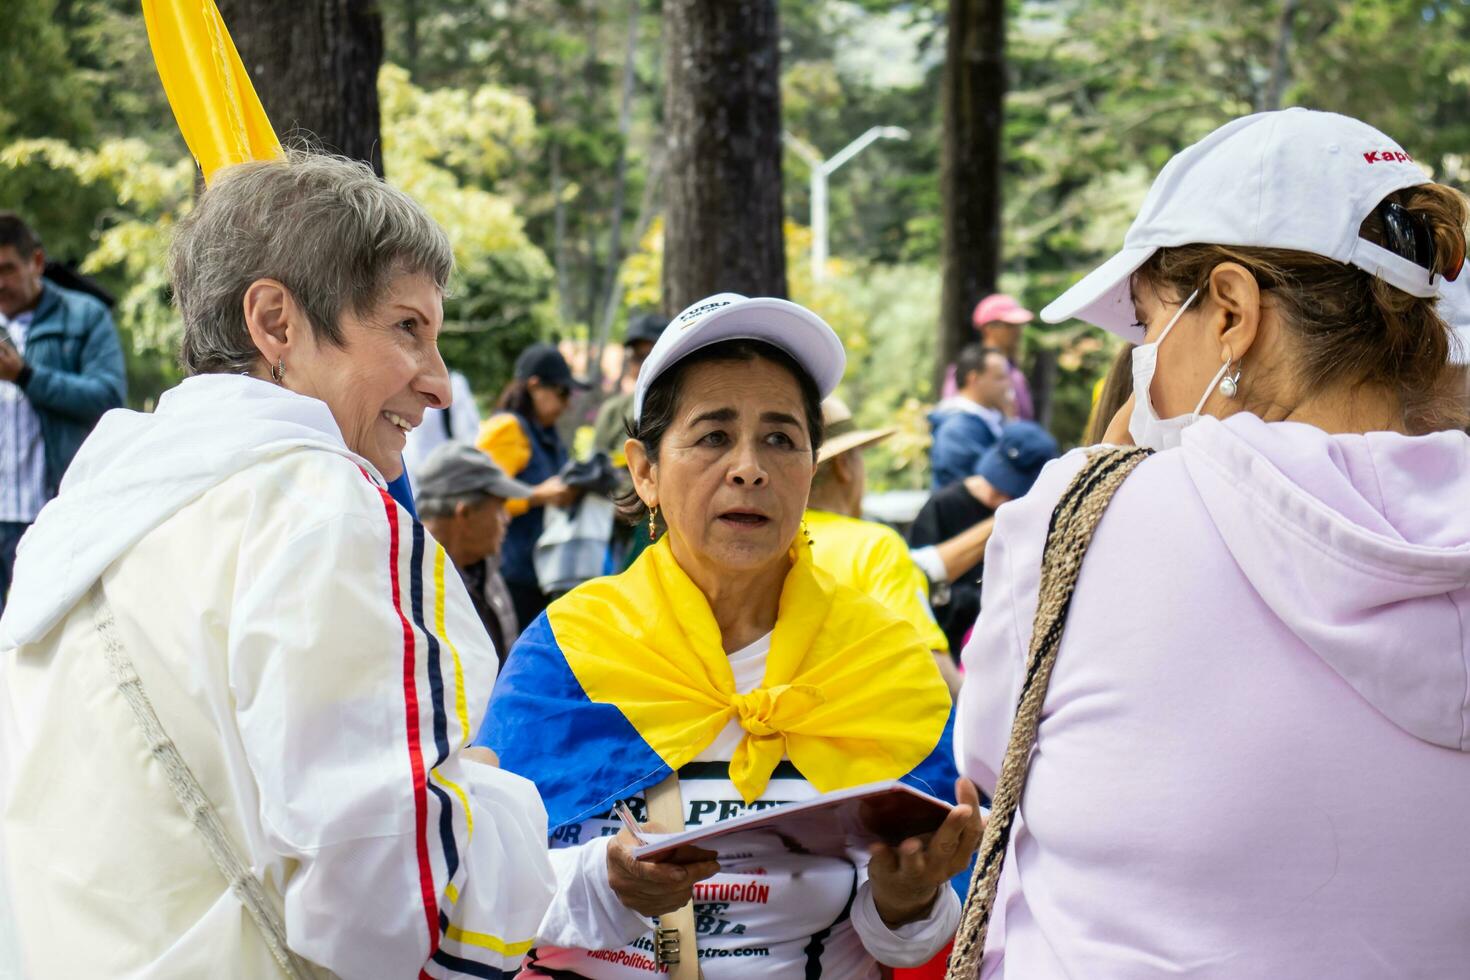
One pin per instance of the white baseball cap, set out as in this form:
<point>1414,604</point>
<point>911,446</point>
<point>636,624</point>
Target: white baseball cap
<point>1295,179</point>
<point>1454,308</point>
<point>730,316</point>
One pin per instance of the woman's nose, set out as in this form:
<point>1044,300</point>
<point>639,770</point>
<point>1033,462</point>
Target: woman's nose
<point>747,471</point>
<point>433,381</point>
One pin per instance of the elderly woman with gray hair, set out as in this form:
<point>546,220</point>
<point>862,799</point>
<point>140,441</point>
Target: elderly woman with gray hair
<point>237,678</point>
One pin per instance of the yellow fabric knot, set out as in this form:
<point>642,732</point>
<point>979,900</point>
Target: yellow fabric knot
<point>769,710</point>
<point>850,695</point>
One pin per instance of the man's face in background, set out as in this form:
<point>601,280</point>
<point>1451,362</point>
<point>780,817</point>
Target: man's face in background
<point>638,352</point>
<point>1004,337</point>
<point>992,386</point>
<point>20,280</point>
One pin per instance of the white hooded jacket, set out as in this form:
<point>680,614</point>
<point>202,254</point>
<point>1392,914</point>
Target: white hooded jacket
<point>316,659</point>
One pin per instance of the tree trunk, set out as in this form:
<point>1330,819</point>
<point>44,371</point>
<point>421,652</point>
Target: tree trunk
<point>970,170</point>
<point>722,109</point>
<point>559,257</point>
<point>602,324</point>
<point>411,37</point>
<point>1280,58</point>
<point>315,66</point>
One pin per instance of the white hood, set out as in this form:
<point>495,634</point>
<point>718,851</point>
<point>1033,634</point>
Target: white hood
<point>137,470</point>
<point>1360,544</point>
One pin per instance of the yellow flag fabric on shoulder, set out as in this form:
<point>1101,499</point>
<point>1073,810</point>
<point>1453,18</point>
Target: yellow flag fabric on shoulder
<point>208,88</point>
<point>851,695</point>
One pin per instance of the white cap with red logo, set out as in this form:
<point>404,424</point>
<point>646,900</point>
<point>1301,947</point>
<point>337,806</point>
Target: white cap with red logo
<point>729,316</point>
<point>1294,179</point>
<point>1454,309</point>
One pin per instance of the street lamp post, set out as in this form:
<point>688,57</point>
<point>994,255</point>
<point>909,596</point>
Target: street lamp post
<point>821,170</point>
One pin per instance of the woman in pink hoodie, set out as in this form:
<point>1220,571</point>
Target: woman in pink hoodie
<point>1254,755</point>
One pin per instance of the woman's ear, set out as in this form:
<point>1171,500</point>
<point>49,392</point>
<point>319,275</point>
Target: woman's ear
<point>1236,294</point>
<point>843,468</point>
<point>643,471</point>
<point>271,315</point>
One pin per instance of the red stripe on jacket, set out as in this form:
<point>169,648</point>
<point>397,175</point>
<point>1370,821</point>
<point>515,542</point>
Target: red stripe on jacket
<point>415,753</point>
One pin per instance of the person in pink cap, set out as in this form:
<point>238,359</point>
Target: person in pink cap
<point>999,319</point>
<point>1253,754</point>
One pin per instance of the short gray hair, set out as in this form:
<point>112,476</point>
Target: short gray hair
<point>326,227</point>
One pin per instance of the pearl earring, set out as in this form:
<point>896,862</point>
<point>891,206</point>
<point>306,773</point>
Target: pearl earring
<point>1230,384</point>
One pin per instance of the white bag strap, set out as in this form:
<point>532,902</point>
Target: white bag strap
<point>674,938</point>
<point>190,795</point>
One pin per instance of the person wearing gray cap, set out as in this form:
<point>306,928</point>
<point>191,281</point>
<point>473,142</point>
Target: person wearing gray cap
<point>610,431</point>
<point>461,500</point>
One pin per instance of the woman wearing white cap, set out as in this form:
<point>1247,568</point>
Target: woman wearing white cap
<point>723,673</point>
<point>1253,757</point>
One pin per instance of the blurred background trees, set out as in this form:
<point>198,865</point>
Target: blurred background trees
<point>538,132</point>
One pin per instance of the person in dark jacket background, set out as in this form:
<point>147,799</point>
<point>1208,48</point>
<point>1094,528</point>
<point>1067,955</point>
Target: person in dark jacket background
<point>61,367</point>
<point>968,424</point>
<point>521,438</point>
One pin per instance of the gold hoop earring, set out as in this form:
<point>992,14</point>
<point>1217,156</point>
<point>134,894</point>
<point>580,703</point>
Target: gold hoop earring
<point>652,528</point>
<point>278,371</point>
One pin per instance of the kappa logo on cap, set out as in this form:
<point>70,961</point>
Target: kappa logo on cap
<point>1387,156</point>
<point>687,318</point>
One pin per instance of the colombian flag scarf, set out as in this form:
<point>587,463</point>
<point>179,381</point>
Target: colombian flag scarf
<point>625,679</point>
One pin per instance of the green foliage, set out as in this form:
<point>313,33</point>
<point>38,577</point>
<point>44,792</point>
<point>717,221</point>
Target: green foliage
<point>504,120</point>
<point>447,148</point>
<point>44,101</point>
<point>450,149</point>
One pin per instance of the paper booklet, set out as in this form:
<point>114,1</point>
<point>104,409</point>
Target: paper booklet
<point>832,824</point>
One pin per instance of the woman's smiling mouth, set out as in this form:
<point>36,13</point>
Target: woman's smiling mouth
<point>399,421</point>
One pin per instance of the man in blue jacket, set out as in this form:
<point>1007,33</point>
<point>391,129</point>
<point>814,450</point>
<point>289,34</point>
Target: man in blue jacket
<point>968,424</point>
<point>61,367</point>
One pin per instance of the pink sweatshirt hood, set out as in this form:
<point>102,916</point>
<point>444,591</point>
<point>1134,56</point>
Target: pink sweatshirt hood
<point>1367,536</point>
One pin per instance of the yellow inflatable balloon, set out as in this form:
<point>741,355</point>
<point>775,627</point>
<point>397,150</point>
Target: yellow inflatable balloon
<point>216,106</point>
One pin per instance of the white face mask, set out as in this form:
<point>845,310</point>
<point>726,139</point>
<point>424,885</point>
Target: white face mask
<point>1144,425</point>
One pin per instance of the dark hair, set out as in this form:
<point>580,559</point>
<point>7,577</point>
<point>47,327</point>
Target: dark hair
<point>517,398</point>
<point>1344,325</point>
<point>18,235</point>
<point>971,360</point>
<point>661,401</point>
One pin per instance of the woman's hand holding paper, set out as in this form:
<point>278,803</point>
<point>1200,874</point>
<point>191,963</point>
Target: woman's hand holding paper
<point>654,887</point>
<point>907,878</point>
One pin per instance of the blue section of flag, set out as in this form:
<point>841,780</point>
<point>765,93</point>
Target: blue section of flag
<point>402,491</point>
<point>583,757</point>
<point>936,776</point>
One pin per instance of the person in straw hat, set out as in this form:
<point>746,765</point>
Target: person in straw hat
<point>865,555</point>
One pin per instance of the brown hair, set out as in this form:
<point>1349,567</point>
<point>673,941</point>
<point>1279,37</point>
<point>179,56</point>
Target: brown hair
<point>1117,386</point>
<point>1346,326</point>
